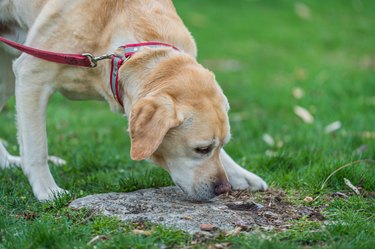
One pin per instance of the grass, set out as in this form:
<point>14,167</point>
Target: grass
<point>275,46</point>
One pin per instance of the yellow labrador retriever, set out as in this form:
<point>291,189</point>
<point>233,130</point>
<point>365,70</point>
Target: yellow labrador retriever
<point>177,111</point>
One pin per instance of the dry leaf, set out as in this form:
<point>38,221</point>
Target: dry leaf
<point>97,237</point>
<point>271,153</point>
<point>207,227</point>
<point>234,232</point>
<point>362,134</point>
<point>367,134</point>
<point>332,127</point>
<point>301,74</point>
<point>361,149</point>
<point>302,10</point>
<point>308,199</point>
<point>268,139</point>
<point>304,114</point>
<point>298,93</point>
<point>187,218</point>
<point>218,246</point>
<point>279,144</point>
<point>339,194</point>
<point>142,232</point>
<point>351,186</point>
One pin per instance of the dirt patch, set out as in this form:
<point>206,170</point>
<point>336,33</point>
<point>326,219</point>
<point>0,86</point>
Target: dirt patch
<point>240,210</point>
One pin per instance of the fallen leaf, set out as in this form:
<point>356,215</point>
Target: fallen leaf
<point>279,144</point>
<point>367,134</point>
<point>97,237</point>
<point>361,134</point>
<point>219,246</point>
<point>298,93</point>
<point>308,199</point>
<point>187,218</point>
<point>301,74</point>
<point>304,114</point>
<point>142,232</point>
<point>361,149</point>
<point>339,194</point>
<point>302,10</point>
<point>271,153</point>
<point>268,139</point>
<point>351,186</point>
<point>268,228</point>
<point>207,227</point>
<point>332,127</point>
<point>234,232</point>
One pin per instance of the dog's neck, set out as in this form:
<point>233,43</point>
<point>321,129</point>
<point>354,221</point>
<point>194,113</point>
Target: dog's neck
<point>138,77</point>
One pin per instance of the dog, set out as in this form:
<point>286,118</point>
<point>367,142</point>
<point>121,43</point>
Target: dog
<point>177,112</point>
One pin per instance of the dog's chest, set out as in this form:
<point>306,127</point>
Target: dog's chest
<point>79,84</point>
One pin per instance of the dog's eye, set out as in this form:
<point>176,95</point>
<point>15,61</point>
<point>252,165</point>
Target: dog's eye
<point>203,150</point>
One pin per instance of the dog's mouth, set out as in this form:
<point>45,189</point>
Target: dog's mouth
<point>182,189</point>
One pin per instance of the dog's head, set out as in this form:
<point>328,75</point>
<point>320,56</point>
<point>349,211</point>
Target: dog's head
<point>181,124</point>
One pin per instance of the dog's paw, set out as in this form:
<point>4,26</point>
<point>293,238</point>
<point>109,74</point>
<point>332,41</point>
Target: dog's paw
<point>51,194</point>
<point>247,180</point>
<point>6,159</point>
<point>56,160</point>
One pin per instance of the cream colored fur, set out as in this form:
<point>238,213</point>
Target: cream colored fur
<point>177,112</point>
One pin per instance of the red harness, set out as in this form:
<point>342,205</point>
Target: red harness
<point>88,60</point>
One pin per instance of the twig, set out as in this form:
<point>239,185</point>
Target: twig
<point>369,161</point>
<point>97,237</point>
<point>87,218</point>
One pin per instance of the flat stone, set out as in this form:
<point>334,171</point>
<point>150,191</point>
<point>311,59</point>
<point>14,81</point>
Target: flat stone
<point>169,207</point>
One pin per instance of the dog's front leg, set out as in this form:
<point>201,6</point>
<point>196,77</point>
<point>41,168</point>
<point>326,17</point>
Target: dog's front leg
<point>32,94</point>
<point>239,177</point>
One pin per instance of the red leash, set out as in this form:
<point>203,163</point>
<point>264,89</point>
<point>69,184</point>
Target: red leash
<point>82,60</point>
<point>88,60</point>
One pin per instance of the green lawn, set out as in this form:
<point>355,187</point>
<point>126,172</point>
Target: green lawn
<point>260,50</point>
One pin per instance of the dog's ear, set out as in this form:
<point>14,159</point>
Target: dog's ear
<point>150,120</point>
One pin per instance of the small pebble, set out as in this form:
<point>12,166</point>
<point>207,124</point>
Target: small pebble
<point>207,227</point>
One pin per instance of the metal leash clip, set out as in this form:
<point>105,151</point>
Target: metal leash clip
<point>94,59</point>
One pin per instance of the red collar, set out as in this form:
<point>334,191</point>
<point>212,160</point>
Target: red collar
<point>88,60</point>
<point>119,60</point>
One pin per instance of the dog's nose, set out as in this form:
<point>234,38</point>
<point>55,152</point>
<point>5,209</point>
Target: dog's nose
<point>223,187</point>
